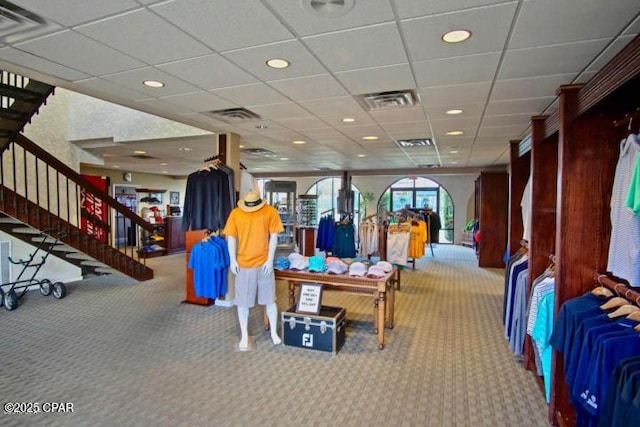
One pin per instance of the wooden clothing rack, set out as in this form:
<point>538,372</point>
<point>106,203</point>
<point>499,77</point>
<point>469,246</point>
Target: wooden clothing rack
<point>618,288</point>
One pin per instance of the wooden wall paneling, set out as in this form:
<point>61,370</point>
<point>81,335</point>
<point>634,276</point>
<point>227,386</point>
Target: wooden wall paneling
<point>520,167</point>
<point>544,177</point>
<point>494,195</point>
<point>586,163</point>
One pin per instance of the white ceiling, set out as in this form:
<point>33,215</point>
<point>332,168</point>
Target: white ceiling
<point>211,55</point>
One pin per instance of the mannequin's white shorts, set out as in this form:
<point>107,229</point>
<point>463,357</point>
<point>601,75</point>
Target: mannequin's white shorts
<point>251,282</point>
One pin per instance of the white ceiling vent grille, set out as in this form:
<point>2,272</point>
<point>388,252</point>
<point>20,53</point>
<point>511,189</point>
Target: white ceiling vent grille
<point>388,100</point>
<point>407,143</point>
<point>16,23</point>
<point>328,8</point>
<point>234,115</point>
<point>263,152</point>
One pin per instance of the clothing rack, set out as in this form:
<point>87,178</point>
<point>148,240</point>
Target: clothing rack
<point>216,157</point>
<point>242,166</point>
<point>618,288</point>
<point>326,212</point>
<point>628,118</point>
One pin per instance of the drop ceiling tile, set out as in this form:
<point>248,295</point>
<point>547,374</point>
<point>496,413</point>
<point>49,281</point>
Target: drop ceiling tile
<point>306,22</point>
<point>453,95</point>
<point>530,87</point>
<point>344,106</point>
<point>359,48</point>
<point>245,24</point>
<point>361,118</point>
<point>456,123</point>
<point>80,53</point>
<point>508,120</point>
<point>253,60</point>
<point>161,105</point>
<point>280,111</point>
<point>506,133</point>
<point>107,87</point>
<point>544,23</point>
<point>532,106</point>
<point>249,95</point>
<point>301,123</point>
<point>611,51</point>
<point>408,130</point>
<point>378,79</point>
<point>634,28</point>
<point>134,79</point>
<point>488,25</point>
<point>413,8</point>
<point>143,43</point>
<point>209,72</point>
<point>199,101</point>
<point>73,12</point>
<point>468,110</point>
<point>312,87</point>
<point>461,70</point>
<point>398,115</point>
<point>322,134</point>
<point>34,62</point>
<point>358,132</point>
<point>559,59</point>
<point>584,77</point>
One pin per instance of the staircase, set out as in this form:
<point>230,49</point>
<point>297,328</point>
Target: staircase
<point>40,193</point>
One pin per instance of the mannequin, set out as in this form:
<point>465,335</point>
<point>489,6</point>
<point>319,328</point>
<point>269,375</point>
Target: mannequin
<point>252,236</point>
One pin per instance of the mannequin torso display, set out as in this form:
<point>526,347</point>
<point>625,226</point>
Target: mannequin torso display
<point>252,236</point>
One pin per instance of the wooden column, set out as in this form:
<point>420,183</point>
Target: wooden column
<point>494,195</point>
<point>544,177</point>
<point>586,165</point>
<point>520,166</point>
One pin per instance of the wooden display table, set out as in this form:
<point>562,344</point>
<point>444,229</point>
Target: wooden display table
<point>378,288</point>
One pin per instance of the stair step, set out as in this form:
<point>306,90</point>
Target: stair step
<point>64,248</point>
<point>25,230</point>
<point>106,271</point>
<point>10,220</point>
<point>93,264</point>
<point>78,255</point>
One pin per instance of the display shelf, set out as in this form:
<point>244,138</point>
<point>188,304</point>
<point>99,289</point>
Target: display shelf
<point>307,210</point>
<point>281,195</point>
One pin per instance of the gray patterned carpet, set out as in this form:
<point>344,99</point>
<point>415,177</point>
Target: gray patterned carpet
<point>130,354</point>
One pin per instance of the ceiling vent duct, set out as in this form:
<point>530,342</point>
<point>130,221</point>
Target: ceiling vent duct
<point>142,157</point>
<point>263,152</point>
<point>423,142</point>
<point>321,168</point>
<point>17,23</point>
<point>233,115</point>
<point>389,100</point>
<point>328,8</point>
<point>429,166</point>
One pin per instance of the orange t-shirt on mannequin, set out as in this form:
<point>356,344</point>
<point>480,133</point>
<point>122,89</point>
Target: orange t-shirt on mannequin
<point>252,229</point>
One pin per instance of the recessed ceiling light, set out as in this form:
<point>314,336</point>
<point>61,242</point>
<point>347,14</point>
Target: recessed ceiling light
<point>165,171</point>
<point>454,162</point>
<point>185,149</point>
<point>139,152</point>
<point>348,120</point>
<point>116,166</point>
<point>261,127</point>
<point>454,151</point>
<point>240,146</point>
<point>456,36</point>
<point>454,111</point>
<point>284,158</point>
<point>278,63</point>
<point>163,164</point>
<point>362,155</point>
<point>153,83</point>
<point>299,142</point>
<point>370,138</point>
<point>455,133</point>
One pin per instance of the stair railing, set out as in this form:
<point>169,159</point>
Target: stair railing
<point>39,189</point>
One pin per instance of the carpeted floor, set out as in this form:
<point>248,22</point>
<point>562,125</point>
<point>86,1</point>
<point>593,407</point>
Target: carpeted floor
<point>130,354</point>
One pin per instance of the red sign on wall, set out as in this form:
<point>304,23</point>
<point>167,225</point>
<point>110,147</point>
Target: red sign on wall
<point>93,211</point>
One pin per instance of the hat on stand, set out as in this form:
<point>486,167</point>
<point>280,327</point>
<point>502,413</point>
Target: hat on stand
<point>251,202</point>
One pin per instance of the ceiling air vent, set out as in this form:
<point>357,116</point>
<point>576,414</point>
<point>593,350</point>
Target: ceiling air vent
<point>17,23</point>
<point>321,168</point>
<point>259,152</point>
<point>430,165</point>
<point>423,142</point>
<point>142,157</point>
<point>388,100</point>
<point>233,115</point>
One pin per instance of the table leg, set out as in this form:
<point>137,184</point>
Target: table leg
<point>391,299</point>
<point>381,309</point>
<point>398,278</point>
<point>376,304</point>
<point>292,293</point>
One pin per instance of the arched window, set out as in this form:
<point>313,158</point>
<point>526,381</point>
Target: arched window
<point>417,193</point>
<point>327,191</point>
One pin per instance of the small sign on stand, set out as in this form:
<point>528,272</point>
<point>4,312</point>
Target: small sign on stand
<point>310,298</point>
